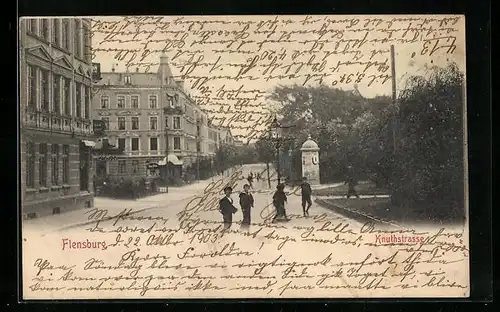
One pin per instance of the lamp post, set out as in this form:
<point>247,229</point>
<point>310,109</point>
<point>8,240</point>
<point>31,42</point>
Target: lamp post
<point>275,136</point>
<point>166,153</point>
<point>290,162</point>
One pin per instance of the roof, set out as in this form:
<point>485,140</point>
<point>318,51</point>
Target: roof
<point>309,144</point>
<point>142,79</point>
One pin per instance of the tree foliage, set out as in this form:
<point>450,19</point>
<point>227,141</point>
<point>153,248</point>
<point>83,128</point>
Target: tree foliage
<point>429,158</point>
<point>424,168</point>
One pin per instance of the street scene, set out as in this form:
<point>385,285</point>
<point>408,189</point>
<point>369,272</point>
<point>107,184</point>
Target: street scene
<point>175,157</point>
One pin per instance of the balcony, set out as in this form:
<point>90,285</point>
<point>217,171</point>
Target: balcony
<point>176,110</point>
<point>54,122</point>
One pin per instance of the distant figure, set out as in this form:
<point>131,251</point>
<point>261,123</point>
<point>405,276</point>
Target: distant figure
<point>258,177</point>
<point>250,180</point>
<point>306,192</point>
<point>351,182</point>
<point>246,203</point>
<point>279,200</point>
<point>226,207</point>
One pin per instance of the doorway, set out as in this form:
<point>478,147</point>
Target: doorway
<point>84,167</point>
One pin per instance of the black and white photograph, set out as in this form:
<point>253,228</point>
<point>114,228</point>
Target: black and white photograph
<point>243,156</point>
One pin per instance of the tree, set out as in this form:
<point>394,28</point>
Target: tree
<point>429,154</point>
<point>266,154</point>
<point>334,118</point>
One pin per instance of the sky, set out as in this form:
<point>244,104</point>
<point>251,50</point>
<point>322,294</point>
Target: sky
<point>290,41</point>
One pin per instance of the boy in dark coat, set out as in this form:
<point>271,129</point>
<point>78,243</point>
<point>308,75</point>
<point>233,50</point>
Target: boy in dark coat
<point>306,192</point>
<point>246,203</point>
<point>279,200</point>
<point>226,207</point>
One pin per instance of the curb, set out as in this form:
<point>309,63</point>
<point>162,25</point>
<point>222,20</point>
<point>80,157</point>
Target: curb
<point>363,218</point>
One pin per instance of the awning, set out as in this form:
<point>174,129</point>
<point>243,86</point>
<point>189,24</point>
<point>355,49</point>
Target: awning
<point>171,159</point>
<point>88,143</point>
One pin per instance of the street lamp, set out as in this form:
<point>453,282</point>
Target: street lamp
<point>275,136</point>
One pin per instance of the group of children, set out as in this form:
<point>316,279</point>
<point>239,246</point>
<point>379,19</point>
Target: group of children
<point>246,200</point>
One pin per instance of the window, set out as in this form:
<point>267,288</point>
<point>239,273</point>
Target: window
<point>44,82</point>
<point>135,144</point>
<point>135,166</point>
<point>55,164</point>
<point>134,99</point>
<point>120,101</point>
<point>135,123</point>
<point>152,101</point>
<point>128,79</point>
<point>122,166</point>
<point>78,90</point>
<point>32,87</point>
<point>104,101</point>
<point>170,101</point>
<point>33,26</point>
<point>67,96</point>
<point>65,162</point>
<point>45,29</point>
<point>177,122</point>
<point>87,102</point>
<point>76,35</point>
<point>153,123</point>
<point>121,123</point>
<point>153,144</point>
<point>198,147</point>
<point>30,164</point>
<point>42,164</point>
<point>106,122</point>
<point>57,93</point>
<point>56,31</point>
<point>65,34</point>
<point>121,144</point>
<point>177,143</point>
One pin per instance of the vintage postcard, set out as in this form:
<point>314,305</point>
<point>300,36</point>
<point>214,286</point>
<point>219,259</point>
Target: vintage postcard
<point>289,156</point>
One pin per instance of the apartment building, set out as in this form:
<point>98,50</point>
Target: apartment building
<point>55,74</point>
<point>149,116</point>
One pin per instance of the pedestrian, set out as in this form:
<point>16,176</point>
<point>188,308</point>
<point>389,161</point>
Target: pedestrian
<point>250,180</point>
<point>279,200</point>
<point>246,203</point>
<point>226,207</point>
<point>306,192</point>
<point>351,182</point>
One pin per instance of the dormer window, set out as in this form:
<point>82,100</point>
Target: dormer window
<point>128,80</point>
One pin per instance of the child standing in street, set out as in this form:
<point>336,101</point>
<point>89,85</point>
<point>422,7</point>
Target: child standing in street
<point>306,192</point>
<point>246,203</point>
<point>279,200</point>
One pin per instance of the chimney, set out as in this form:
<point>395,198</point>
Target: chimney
<point>113,68</point>
<point>137,70</point>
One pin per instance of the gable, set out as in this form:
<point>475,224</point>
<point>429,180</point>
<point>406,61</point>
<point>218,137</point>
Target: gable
<point>81,71</point>
<point>41,52</point>
<point>63,62</point>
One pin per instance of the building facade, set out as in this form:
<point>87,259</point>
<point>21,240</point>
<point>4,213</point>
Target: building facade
<point>150,116</point>
<point>55,73</point>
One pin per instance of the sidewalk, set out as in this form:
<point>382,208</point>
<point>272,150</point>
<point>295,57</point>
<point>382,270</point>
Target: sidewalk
<point>115,206</point>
